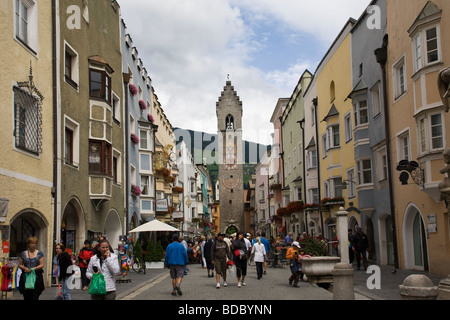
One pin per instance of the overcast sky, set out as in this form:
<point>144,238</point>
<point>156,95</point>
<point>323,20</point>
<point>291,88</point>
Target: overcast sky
<point>190,46</point>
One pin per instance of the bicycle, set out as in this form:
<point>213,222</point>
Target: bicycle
<point>139,266</point>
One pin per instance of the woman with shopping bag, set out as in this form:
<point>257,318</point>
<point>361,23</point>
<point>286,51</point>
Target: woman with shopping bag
<point>31,262</point>
<point>102,270</point>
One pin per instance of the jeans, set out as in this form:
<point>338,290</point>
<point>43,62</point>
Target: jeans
<point>65,288</point>
<point>259,269</point>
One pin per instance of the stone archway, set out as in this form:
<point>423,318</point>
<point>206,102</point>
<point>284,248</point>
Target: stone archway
<point>414,239</point>
<point>27,223</point>
<point>73,225</point>
<point>113,228</point>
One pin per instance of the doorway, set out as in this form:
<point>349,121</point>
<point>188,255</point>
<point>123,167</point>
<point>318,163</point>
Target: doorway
<point>415,240</point>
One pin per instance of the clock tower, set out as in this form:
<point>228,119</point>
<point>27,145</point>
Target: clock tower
<point>230,160</point>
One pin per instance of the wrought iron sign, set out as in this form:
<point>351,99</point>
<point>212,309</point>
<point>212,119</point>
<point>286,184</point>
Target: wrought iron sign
<point>411,169</point>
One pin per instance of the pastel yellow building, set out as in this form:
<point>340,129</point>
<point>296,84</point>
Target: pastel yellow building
<point>419,129</point>
<point>336,153</point>
<point>165,157</point>
<point>26,122</point>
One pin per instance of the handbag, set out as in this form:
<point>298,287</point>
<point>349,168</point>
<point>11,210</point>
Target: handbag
<point>30,280</point>
<point>98,285</point>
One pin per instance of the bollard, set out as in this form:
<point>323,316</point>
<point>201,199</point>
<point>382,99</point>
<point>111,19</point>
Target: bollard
<point>418,287</point>
<point>343,282</point>
<point>444,289</point>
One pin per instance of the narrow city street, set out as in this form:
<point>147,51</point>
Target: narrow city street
<point>197,286</point>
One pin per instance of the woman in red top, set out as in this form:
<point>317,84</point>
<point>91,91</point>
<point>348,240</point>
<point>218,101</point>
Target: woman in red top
<point>85,255</point>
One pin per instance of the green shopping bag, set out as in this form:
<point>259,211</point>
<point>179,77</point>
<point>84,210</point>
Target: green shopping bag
<point>30,280</point>
<point>98,285</point>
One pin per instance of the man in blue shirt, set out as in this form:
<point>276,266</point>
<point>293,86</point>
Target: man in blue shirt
<point>288,239</point>
<point>176,259</point>
<point>266,244</point>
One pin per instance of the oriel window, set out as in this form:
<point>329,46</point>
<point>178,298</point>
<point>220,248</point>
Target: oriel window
<point>100,85</point>
<point>100,157</point>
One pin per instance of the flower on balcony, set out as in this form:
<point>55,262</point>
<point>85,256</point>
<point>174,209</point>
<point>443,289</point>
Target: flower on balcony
<point>169,179</point>
<point>177,189</point>
<point>142,105</point>
<point>133,89</point>
<point>134,138</point>
<point>150,118</point>
<point>295,206</point>
<point>311,205</point>
<point>335,200</point>
<point>135,191</point>
<point>282,212</point>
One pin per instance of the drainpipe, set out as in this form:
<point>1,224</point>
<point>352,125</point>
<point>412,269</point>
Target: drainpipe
<point>381,56</point>
<point>281,149</point>
<point>302,123</point>
<point>319,181</point>
<point>55,189</point>
<point>126,140</point>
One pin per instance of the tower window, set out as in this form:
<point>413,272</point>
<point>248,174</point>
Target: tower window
<point>229,122</point>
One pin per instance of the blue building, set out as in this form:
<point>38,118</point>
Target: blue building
<point>366,127</point>
<point>139,135</point>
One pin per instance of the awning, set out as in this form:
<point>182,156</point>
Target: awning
<point>154,225</point>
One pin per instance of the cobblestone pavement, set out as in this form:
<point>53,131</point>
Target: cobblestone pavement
<point>156,285</point>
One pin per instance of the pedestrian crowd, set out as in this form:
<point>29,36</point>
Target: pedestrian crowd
<point>217,255</point>
<point>231,253</point>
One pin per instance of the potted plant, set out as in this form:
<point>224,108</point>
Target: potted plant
<point>135,191</point>
<point>134,138</point>
<point>318,268</point>
<point>137,250</point>
<point>133,89</point>
<point>155,256</point>
<point>142,105</point>
<point>150,118</point>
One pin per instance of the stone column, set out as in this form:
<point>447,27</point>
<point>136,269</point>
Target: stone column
<point>342,234</point>
<point>343,282</point>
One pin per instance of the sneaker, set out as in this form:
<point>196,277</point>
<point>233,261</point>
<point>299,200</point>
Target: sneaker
<point>174,292</point>
<point>179,290</point>
<point>265,272</point>
<point>239,284</point>
<point>243,283</point>
<point>225,284</point>
<point>218,285</point>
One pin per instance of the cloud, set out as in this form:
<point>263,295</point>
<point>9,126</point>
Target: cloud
<point>189,47</point>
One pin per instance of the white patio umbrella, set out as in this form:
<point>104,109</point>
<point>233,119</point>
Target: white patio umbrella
<point>154,225</point>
